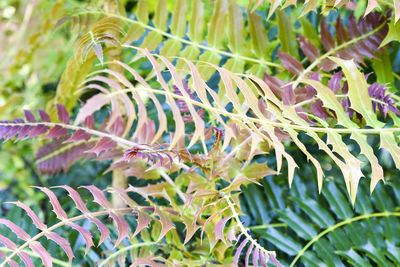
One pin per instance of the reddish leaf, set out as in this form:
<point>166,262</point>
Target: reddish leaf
<point>56,131</point>
<point>166,224</point>
<point>89,122</point>
<point>38,130</point>
<point>147,262</point>
<point>98,196</point>
<point>58,210</point>
<point>326,37</point>
<point>262,259</point>
<point>62,242</point>
<point>16,229</point>
<point>105,143</point>
<point>311,52</point>
<point>219,229</point>
<point>249,250</point>
<point>256,256</point>
<point>143,221</point>
<point>93,104</point>
<point>29,116</point>
<point>78,136</point>
<point>85,234</point>
<point>238,251</point>
<point>62,113</point>
<point>42,252</point>
<point>290,63</point>
<point>44,117</point>
<point>122,193</point>
<point>75,197</point>
<point>8,243</point>
<point>32,215</point>
<point>122,227</point>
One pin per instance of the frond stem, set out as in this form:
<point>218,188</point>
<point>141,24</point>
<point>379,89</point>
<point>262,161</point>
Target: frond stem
<point>333,227</point>
<point>243,229</point>
<point>122,250</point>
<point>184,41</point>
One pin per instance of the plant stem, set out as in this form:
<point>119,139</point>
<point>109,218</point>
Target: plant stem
<point>333,227</point>
<point>33,254</point>
<point>122,250</point>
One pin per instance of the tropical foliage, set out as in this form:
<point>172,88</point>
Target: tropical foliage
<point>201,133</point>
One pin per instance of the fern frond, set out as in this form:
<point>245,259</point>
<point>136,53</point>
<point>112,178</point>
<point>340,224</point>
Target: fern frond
<point>117,215</point>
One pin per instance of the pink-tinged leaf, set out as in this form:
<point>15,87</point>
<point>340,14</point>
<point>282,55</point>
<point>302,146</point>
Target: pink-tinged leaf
<point>210,218</point>
<point>58,210</point>
<point>29,116</point>
<point>238,251</point>
<point>75,197</point>
<point>311,52</point>
<point>122,227</point>
<point>290,63</point>
<point>55,132</point>
<point>78,136</point>
<point>274,260</point>
<point>93,104</point>
<point>98,196</point>
<point>23,133</point>
<point>62,113</point>
<point>166,223</point>
<point>117,128</point>
<point>105,233</point>
<point>42,252</point>
<point>334,82</point>
<point>262,259</point>
<point>44,117</point>
<point>249,250</point>
<point>122,193</point>
<point>16,229</point>
<point>219,229</point>
<point>98,50</point>
<point>36,221</point>
<point>396,10</point>
<point>26,259</point>
<point>255,257</point>
<point>371,5</point>
<point>105,143</point>
<point>231,236</point>
<point>85,234</point>
<point>49,163</point>
<point>89,122</point>
<point>2,255</point>
<point>143,221</point>
<point>146,262</point>
<point>8,243</point>
<point>38,130</point>
<point>62,242</point>
<point>326,37</point>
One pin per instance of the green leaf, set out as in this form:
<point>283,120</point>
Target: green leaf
<point>282,242</point>
<point>258,35</point>
<point>216,27</point>
<point>316,212</point>
<point>286,34</point>
<point>297,223</point>
<point>178,24</point>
